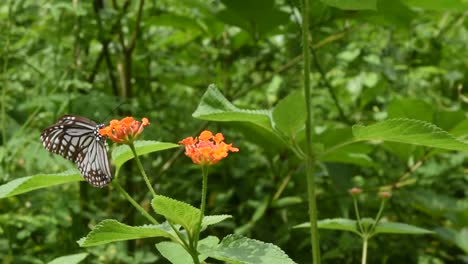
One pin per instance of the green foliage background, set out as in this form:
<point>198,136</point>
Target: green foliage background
<point>372,60</point>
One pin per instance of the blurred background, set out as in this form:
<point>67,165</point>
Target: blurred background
<point>106,59</point>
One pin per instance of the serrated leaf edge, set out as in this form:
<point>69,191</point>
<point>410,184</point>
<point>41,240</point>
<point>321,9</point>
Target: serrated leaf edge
<point>435,129</point>
<point>106,221</point>
<point>256,240</point>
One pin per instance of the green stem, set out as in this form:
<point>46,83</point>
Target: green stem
<point>202,210</point>
<point>310,159</point>
<point>358,217</point>
<point>134,203</point>
<point>364,250</point>
<point>142,170</point>
<point>181,238</point>
<point>379,216</point>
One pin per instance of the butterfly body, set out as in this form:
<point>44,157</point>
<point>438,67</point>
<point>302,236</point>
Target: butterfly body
<point>77,139</point>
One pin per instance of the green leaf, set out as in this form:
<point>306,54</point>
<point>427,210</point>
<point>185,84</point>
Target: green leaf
<point>411,132</point>
<point>400,228</point>
<point>289,114</point>
<point>437,204</point>
<point>461,239</point>
<point>344,156</point>
<point>437,5</point>
<point>270,141</point>
<point>334,224</point>
<point>208,242</point>
<point>448,120</point>
<point>69,259</point>
<point>30,183</point>
<point>123,153</point>
<point>391,13</point>
<point>176,21</point>
<point>214,219</point>
<point>257,124</point>
<point>287,201</point>
<point>111,230</point>
<point>352,4</point>
<point>339,224</point>
<point>257,17</point>
<point>176,211</point>
<point>174,252</point>
<point>345,224</point>
<point>336,150</point>
<point>411,108</point>
<point>454,236</point>
<point>403,151</point>
<point>238,249</point>
<point>460,130</point>
<point>215,107</point>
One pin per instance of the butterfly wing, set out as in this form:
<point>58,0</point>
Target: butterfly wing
<point>77,139</point>
<point>94,164</point>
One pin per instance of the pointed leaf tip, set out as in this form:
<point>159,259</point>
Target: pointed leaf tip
<point>410,131</point>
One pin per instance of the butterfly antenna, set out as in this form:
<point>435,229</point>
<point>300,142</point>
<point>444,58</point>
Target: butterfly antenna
<point>115,108</point>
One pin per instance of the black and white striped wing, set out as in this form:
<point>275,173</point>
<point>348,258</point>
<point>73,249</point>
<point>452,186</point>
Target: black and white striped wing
<point>77,139</point>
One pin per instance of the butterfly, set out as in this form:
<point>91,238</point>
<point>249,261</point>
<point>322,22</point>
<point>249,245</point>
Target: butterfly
<point>77,139</point>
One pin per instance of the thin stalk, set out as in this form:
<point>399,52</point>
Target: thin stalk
<point>134,203</point>
<point>179,235</point>
<point>358,217</point>
<point>364,250</point>
<point>310,159</point>
<point>379,215</point>
<point>142,170</point>
<point>202,210</point>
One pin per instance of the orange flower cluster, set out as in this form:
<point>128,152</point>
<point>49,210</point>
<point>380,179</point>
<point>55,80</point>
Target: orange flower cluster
<point>124,131</point>
<point>207,149</point>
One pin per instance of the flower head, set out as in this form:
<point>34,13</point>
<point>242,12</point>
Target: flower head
<point>385,194</point>
<point>207,149</point>
<point>355,191</point>
<point>124,131</point>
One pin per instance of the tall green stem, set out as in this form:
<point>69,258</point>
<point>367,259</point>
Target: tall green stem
<point>134,203</point>
<point>202,209</point>
<point>310,159</point>
<point>364,250</point>
<point>142,170</point>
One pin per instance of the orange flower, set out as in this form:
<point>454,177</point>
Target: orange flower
<point>207,149</point>
<point>124,131</point>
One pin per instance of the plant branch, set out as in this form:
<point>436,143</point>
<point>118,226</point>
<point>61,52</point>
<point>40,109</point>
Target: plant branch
<point>142,170</point>
<point>119,24</point>
<point>134,203</point>
<point>179,235</point>
<point>358,217</point>
<point>293,62</point>
<point>330,88</point>
<point>136,31</point>
<point>104,54</point>
<point>403,180</point>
